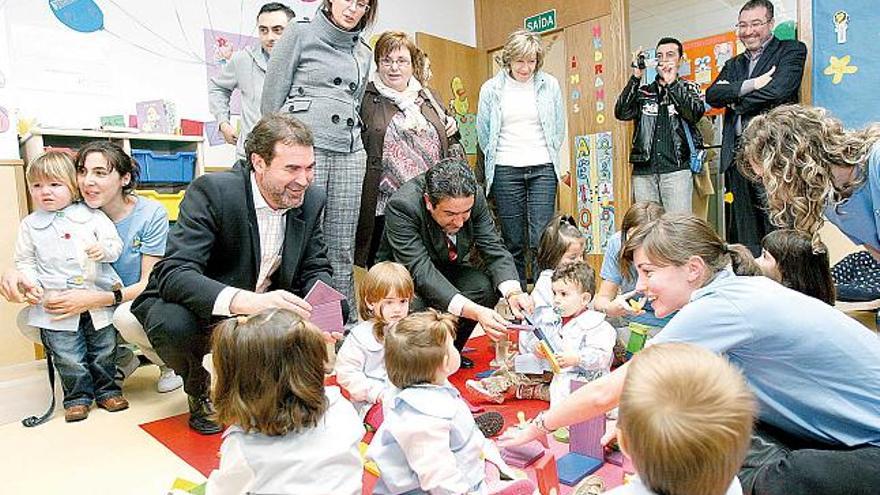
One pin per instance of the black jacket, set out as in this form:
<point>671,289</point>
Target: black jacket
<point>413,239</point>
<point>640,104</point>
<point>216,244</point>
<point>788,56</point>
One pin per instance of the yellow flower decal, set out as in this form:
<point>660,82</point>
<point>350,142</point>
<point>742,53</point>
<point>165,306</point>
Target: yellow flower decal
<point>837,67</point>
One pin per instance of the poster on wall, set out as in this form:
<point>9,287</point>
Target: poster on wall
<point>219,47</point>
<point>594,170</point>
<point>704,58</point>
<point>845,71</point>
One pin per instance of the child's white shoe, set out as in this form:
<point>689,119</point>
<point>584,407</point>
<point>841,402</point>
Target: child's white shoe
<point>168,380</point>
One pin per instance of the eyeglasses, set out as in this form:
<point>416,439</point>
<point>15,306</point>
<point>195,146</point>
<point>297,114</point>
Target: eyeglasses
<point>401,62</point>
<point>742,26</point>
<point>362,6</point>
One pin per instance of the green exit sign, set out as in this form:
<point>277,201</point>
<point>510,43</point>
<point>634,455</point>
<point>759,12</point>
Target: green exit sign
<point>538,23</point>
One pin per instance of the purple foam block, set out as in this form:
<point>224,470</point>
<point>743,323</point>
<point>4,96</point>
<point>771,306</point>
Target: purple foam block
<point>522,456</point>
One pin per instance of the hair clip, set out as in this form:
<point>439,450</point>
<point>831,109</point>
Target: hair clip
<point>567,219</point>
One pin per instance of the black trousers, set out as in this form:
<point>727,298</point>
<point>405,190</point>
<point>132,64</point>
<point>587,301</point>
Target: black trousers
<point>778,464</point>
<point>471,283</point>
<point>746,218</point>
<point>182,340</point>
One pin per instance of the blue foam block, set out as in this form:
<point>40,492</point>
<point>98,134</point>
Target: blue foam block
<point>485,374</point>
<point>573,467</point>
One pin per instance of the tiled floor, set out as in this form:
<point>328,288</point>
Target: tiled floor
<point>105,454</point>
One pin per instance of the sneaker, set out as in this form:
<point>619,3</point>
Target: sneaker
<point>114,404</point>
<point>490,423</point>
<point>477,388</point>
<point>126,368</point>
<point>533,391</point>
<point>168,380</point>
<point>76,413</point>
<point>591,485</point>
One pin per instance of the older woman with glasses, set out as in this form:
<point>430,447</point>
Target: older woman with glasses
<point>520,127</point>
<point>405,133</point>
<point>318,72</point>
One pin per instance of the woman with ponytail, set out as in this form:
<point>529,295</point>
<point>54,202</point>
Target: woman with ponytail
<point>814,370</point>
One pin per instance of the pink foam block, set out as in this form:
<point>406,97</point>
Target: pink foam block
<point>524,455</point>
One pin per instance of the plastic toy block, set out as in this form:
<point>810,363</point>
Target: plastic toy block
<point>374,417</point>
<point>523,456</point>
<point>546,475</point>
<point>573,467</point>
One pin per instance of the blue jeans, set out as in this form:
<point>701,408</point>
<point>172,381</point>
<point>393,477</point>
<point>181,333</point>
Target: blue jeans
<point>86,361</point>
<point>526,200</point>
<point>673,190</point>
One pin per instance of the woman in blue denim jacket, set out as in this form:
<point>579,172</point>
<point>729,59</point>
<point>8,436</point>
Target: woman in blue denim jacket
<point>520,127</point>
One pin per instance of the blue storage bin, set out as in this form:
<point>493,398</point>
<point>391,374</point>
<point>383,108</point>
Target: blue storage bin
<point>175,168</point>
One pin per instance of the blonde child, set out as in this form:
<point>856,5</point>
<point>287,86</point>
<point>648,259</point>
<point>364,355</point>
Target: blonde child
<point>429,442</point>
<point>584,338</point>
<point>289,433</point>
<point>685,421</point>
<point>65,245</point>
<point>385,294</point>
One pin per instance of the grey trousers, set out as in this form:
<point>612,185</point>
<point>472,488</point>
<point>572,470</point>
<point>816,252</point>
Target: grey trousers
<point>673,190</point>
<point>341,175</point>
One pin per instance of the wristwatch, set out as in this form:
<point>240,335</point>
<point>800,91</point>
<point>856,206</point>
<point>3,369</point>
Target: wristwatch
<point>117,296</point>
<point>538,421</point>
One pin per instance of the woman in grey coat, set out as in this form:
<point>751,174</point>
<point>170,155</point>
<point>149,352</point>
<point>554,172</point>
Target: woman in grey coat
<point>318,73</point>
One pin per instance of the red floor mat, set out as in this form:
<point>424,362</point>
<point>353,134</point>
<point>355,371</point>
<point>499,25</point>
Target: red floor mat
<point>201,451</point>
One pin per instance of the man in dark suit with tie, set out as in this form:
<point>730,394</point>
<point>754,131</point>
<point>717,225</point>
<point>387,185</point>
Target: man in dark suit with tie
<point>246,240</point>
<point>767,75</point>
<point>433,225</point>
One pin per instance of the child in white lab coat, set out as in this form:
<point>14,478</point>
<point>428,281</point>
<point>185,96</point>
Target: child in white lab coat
<point>385,294</point>
<point>289,433</point>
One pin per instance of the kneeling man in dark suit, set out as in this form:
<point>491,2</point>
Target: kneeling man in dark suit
<point>246,239</point>
<point>433,225</point>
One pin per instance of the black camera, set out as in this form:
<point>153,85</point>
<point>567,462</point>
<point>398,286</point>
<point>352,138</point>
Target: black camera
<point>640,63</point>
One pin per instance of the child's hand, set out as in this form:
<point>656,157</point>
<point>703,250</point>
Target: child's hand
<point>568,360</point>
<point>95,252</point>
<point>33,294</point>
<point>539,352</point>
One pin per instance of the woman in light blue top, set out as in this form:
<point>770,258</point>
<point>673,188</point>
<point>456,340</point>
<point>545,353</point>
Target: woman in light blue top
<point>814,371</point>
<point>520,127</point>
<point>812,166</point>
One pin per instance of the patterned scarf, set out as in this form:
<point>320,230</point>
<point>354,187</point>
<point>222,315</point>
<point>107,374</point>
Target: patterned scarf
<point>406,102</point>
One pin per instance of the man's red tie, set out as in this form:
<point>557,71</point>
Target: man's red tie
<point>453,251</point>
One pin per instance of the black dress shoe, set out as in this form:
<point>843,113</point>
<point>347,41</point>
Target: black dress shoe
<point>467,362</point>
<point>200,412</point>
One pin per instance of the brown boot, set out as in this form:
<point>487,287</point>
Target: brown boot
<point>533,391</point>
<point>114,404</point>
<point>76,413</point>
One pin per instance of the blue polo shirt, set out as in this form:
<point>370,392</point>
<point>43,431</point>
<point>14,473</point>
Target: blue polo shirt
<point>143,231</point>
<point>859,215</point>
<point>814,371</point>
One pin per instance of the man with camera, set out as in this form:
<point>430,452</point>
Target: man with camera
<point>766,75</point>
<point>662,111</point>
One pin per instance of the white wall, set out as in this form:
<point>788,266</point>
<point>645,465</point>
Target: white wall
<point>650,20</point>
<point>69,79</point>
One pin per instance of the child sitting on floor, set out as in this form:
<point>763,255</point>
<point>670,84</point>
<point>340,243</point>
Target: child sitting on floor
<point>561,243</point>
<point>429,442</point>
<point>685,421</point>
<point>585,340</point>
<point>385,294</point>
<point>289,433</point>
<point>65,245</point>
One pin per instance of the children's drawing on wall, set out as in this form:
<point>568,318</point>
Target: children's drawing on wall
<point>156,116</point>
<point>219,47</point>
<point>467,120</point>
<point>723,53</point>
<point>841,23</point>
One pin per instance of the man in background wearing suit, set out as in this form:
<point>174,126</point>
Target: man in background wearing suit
<point>767,75</point>
<point>431,225</point>
<point>246,240</point>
